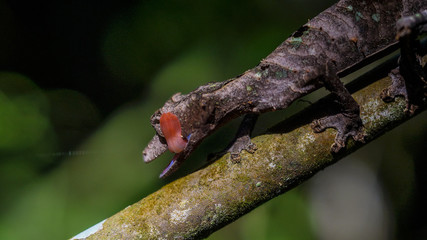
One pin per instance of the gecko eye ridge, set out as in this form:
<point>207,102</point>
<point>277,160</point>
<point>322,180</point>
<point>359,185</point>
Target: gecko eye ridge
<point>171,129</point>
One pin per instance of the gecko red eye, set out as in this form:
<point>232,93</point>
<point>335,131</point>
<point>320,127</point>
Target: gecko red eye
<point>171,129</point>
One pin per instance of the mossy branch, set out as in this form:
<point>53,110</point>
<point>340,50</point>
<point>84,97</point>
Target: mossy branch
<point>198,204</point>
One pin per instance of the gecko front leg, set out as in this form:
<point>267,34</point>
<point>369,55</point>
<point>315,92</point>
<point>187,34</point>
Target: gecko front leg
<point>242,140</point>
<point>347,121</point>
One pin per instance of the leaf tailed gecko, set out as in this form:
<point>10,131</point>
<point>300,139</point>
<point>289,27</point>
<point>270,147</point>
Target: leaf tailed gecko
<point>342,38</point>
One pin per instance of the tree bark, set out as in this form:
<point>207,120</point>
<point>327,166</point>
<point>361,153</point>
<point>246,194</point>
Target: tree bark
<point>200,203</point>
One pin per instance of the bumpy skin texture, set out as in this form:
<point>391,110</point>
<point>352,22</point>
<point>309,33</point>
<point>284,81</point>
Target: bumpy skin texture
<point>337,41</point>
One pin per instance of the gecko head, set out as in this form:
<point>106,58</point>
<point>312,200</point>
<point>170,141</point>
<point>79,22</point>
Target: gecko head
<point>182,116</point>
<point>181,125</point>
<point>176,120</point>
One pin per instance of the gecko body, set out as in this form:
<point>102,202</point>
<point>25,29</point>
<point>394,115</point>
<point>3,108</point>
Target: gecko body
<point>336,41</point>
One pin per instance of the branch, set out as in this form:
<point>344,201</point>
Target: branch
<point>198,204</point>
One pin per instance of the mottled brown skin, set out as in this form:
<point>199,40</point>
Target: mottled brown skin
<point>334,43</point>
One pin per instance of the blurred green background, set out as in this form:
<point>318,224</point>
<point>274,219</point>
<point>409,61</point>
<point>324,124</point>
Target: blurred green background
<point>79,81</point>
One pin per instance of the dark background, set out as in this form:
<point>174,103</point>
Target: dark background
<point>80,79</point>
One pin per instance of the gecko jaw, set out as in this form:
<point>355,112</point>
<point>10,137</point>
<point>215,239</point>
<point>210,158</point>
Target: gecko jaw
<point>175,163</point>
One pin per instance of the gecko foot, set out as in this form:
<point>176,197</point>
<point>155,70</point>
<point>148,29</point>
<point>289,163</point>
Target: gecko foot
<point>347,125</point>
<point>399,88</point>
<point>241,142</point>
<point>236,147</point>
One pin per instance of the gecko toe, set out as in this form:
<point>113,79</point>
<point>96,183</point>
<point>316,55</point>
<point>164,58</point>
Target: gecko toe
<point>235,157</point>
<point>337,146</point>
<point>317,126</point>
<point>251,148</point>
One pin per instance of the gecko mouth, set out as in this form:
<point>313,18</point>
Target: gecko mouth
<point>175,163</point>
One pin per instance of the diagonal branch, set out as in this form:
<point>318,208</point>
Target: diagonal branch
<point>198,204</point>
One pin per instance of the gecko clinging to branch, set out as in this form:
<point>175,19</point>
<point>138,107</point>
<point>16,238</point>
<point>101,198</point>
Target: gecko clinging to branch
<point>342,38</point>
